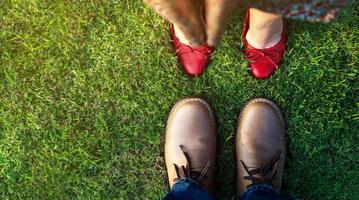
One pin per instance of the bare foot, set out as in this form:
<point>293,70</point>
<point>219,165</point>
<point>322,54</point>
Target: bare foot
<point>265,29</point>
<point>186,15</point>
<point>194,36</point>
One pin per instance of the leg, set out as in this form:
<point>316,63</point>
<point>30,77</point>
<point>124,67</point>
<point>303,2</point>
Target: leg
<point>265,29</point>
<point>185,15</point>
<point>260,150</point>
<point>217,13</point>
<point>190,150</point>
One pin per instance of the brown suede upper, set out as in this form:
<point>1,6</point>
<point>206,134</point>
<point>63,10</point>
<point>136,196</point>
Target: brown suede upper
<point>191,128</point>
<point>260,140</point>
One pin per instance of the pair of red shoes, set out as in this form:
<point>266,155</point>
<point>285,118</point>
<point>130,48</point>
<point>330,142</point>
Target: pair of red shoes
<point>263,62</point>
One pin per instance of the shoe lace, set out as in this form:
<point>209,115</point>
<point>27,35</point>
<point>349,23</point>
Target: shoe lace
<point>266,171</point>
<point>187,171</point>
<point>255,54</point>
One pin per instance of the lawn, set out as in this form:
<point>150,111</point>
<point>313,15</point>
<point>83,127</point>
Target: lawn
<point>86,87</point>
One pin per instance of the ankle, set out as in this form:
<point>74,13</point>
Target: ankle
<point>262,40</point>
<point>265,35</point>
<point>212,41</point>
<point>191,38</point>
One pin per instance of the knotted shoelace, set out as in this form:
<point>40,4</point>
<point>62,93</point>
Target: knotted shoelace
<point>266,171</point>
<point>187,171</point>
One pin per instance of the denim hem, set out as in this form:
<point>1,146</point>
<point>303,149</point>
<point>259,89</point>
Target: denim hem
<point>186,179</point>
<point>260,191</point>
<point>188,189</point>
<point>264,187</point>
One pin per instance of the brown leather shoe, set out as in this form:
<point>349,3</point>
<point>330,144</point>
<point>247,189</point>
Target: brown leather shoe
<point>191,142</point>
<point>260,145</point>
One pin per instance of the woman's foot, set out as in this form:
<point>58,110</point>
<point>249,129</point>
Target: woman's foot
<point>265,30</point>
<point>193,59</point>
<point>193,38</point>
<point>188,32</point>
<point>264,42</point>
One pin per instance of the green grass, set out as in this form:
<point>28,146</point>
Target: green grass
<point>86,87</point>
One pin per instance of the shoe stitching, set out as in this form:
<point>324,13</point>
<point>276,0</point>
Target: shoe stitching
<point>271,104</point>
<point>265,101</point>
<point>178,104</point>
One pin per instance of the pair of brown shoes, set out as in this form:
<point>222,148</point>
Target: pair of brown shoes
<point>191,143</point>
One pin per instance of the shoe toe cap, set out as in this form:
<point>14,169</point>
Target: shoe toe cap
<point>193,64</point>
<point>194,69</point>
<point>262,71</point>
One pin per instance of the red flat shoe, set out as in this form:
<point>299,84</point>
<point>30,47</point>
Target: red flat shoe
<point>193,60</point>
<point>263,62</point>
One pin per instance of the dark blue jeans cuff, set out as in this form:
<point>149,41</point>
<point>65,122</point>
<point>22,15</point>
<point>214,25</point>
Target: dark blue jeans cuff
<point>188,189</point>
<point>262,192</point>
